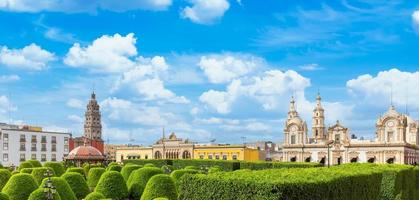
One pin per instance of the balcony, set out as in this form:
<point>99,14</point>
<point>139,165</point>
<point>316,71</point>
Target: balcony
<point>44,140</point>
<point>44,149</point>
<point>33,140</point>
<point>33,149</point>
<point>22,148</point>
<point>54,141</point>
<point>22,140</point>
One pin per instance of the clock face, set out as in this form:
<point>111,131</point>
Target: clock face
<point>293,128</point>
<point>390,124</point>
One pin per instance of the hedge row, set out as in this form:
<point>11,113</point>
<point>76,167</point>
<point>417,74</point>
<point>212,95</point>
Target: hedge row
<point>259,165</point>
<point>352,181</point>
<point>155,162</point>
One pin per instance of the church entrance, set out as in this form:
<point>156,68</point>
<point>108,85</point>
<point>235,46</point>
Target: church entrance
<point>390,161</point>
<point>293,159</point>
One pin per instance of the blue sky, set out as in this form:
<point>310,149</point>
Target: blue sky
<point>206,69</point>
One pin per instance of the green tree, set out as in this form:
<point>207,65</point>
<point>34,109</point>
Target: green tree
<point>112,185</point>
<point>138,180</point>
<point>77,183</point>
<point>20,186</point>
<point>158,186</point>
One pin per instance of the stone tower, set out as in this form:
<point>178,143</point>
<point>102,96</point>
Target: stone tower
<point>92,123</point>
<point>318,126</point>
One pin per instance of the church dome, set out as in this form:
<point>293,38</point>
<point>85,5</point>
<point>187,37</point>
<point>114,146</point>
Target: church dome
<point>85,153</point>
<point>172,136</point>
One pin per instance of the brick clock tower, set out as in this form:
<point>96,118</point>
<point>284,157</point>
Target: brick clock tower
<point>92,127</point>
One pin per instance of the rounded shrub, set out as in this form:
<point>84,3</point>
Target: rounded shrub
<point>77,183</point>
<point>39,194</point>
<point>4,177</point>
<point>25,164</point>
<point>161,198</point>
<point>167,168</point>
<point>3,196</point>
<point>138,180</point>
<point>87,167</point>
<point>94,196</point>
<point>215,169</point>
<point>177,174</point>
<point>63,189</point>
<point>39,173</point>
<point>128,169</point>
<point>161,185</point>
<point>15,172</point>
<point>77,170</point>
<point>35,163</point>
<point>112,163</point>
<point>192,167</point>
<point>94,176</point>
<point>116,168</point>
<point>57,167</point>
<point>149,165</point>
<point>20,186</point>
<point>26,170</point>
<point>112,185</point>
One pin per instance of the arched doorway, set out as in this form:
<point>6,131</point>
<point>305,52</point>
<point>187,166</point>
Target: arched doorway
<point>371,160</point>
<point>323,161</point>
<point>293,159</point>
<point>339,160</point>
<point>308,159</point>
<point>390,160</point>
<point>186,155</point>
<point>354,160</point>
<point>157,155</point>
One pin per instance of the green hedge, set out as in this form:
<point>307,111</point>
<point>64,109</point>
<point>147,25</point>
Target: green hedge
<point>63,188</point>
<point>40,195</point>
<point>128,169</point>
<point>77,170</point>
<point>357,181</point>
<point>3,196</point>
<point>138,180</point>
<point>112,185</point>
<point>177,174</point>
<point>25,164</point>
<point>26,170</point>
<point>94,176</point>
<point>58,167</point>
<point>20,186</point>
<point>226,165</point>
<point>87,167</point>
<point>116,168</point>
<point>77,183</point>
<point>260,165</point>
<point>35,163</point>
<point>39,173</point>
<point>4,177</point>
<point>95,196</point>
<point>155,162</point>
<point>416,169</point>
<point>160,185</point>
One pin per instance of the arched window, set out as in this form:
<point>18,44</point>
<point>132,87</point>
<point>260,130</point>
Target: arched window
<point>186,155</point>
<point>371,160</point>
<point>157,155</point>
<point>293,159</point>
<point>390,161</point>
<point>354,160</point>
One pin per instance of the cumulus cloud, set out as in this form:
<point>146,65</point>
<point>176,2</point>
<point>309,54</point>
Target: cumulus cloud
<point>5,107</point>
<point>31,57</point>
<point>222,101</point>
<point>75,103</point>
<point>71,6</point>
<point>9,78</point>
<point>205,11</point>
<point>224,68</point>
<point>311,67</point>
<point>415,21</point>
<point>75,118</point>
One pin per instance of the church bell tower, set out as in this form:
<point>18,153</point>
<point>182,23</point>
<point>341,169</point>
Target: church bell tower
<point>318,127</point>
<point>92,123</point>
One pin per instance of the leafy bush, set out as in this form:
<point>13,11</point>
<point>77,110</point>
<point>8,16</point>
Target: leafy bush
<point>58,167</point>
<point>160,198</point>
<point>161,185</point>
<point>35,163</point>
<point>4,177</point>
<point>259,165</point>
<point>87,167</point>
<point>40,195</point>
<point>177,174</point>
<point>77,170</point>
<point>26,170</point>
<point>138,180</point>
<point>112,185</point>
<point>149,165</point>
<point>156,162</point>
<point>25,164</point>
<point>128,169</point>
<point>167,169</point>
<point>192,167</point>
<point>226,165</point>
<point>116,168</point>
<point>214,170</point>
<point>77,183</point>
<point>95,196</point>
<point>15,172</point>
<point>20,186</point>
<point>3,196</point>
<point>63,188</point>
<point>39,173</point>
<point>94,176</point>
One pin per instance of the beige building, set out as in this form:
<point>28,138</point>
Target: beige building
<point>110,150</point>
<point>133,152</point>
<point>173,148</point>
<point>396,141</point>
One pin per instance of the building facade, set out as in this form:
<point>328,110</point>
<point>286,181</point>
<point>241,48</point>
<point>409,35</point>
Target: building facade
<point>19,144</point>
<point>396,140</point>
<point>133,152</point>
<point>173,148</point>
<point>226,152</point>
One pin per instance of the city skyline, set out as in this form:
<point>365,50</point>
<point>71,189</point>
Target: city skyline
<point>222,70</point>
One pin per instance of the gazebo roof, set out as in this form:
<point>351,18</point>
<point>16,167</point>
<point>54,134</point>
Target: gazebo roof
<point>85,153</point>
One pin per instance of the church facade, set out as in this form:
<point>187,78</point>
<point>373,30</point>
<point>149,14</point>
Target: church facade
<point>396,140</point>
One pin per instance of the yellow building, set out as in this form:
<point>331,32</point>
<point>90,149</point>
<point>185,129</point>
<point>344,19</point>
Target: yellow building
<point>226,152</point>
<point>133,152</point>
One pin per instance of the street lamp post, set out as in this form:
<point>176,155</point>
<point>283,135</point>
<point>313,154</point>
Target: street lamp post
<point>49,189</point>
<point>330,142</point>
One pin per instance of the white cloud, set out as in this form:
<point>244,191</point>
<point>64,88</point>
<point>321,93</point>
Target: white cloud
<point>75,103</point>
<point>415,21</point>
<point>311,67</point>
<point>106,54</point>
<point>222,101</point>
<point>75,118</point>
<point>9,78</point>
<point>5,107</point>
<point>376,90</point>
<point>153,89</point>
<point>205,11</point>
<point>71,6</point>
<point>31,57</point>
<point>217,121</point>
<point>224,68</point>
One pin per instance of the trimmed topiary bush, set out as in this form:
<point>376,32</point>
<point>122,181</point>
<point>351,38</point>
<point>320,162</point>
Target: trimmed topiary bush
<point>161,198</point>
<point>77,170</point>
<point>94,176</point>
<point>25,164</point>
<point>39,173</point>
<point>156,162</point>
<point>39,194</point>
<point>35,163</point>
<point>138,180</point>
<point>4,177</point>
<point>15,172</point>
<point>63,188</point>
<point>57,167</point>
<point>112,185</point>
<point>3,196</point>
<point>177,174</point>
<point>95,196</point>
<point>116,168</point>
<point>214,170</point>
<point>192,167</point>
<point>161,185</point>
<point>226,165</point>
<point>149,165</point>
<point>87,167</point>
<point>77,183</point>
<point>127,170</point>
<point>26,170</point>
<point>20,186</point>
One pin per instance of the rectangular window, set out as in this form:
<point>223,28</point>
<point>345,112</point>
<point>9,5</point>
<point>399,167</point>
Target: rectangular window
<point>33,147</point>
<point>53,147</point>
<point>33,140</point>
<point>146,157</point>
<point>390,136</point>
<point>43,157</point>
<point>53,139</point>
<point>234,157</point>
<point>22,147</point>
<point>201,156</point>
<point>33,156</point>
<point>44,147</point>
<point>209,156</point>
<point>224,157</point>
<point>337,138</point>
<point>22,138</point>
<point>65,148</point>
<point>53,157</point>
<point>217,157</point>
<point>44,139</point>
<point>66,140</point>
<point>292,139</point>
<point>6,137</point>
<point>22,157</point>
<point>5,146</point>
<point>5,157</point>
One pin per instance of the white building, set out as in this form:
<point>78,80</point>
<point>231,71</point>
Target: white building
<point>20,143</point>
